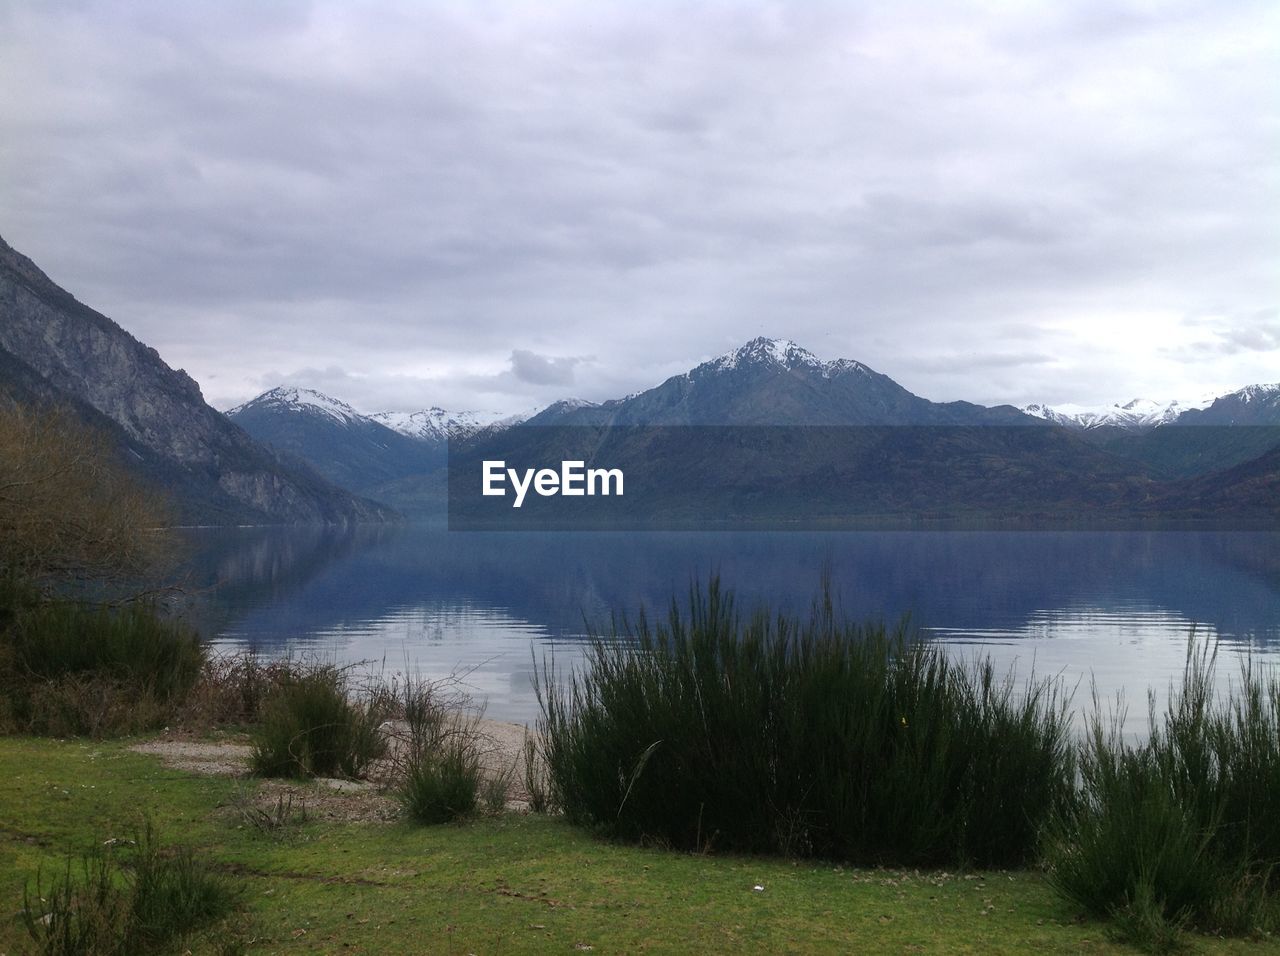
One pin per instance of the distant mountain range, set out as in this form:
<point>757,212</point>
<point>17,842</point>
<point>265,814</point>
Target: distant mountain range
<point>869,446</point>
<point>437,425</point>
<point>56,351</point>
<point>957,457</point>
<point>1251,405</point>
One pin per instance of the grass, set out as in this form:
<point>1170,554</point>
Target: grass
<point>1183,829</point>
<point>801,738</point>
<point>73,669</point>
<point>806,737</point>
<point>128,898</point>
<point>443,785</point>
<point>311,724</point>
<point>510,883</point>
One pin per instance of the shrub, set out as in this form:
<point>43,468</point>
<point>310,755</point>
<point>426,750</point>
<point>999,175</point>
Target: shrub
<point>123,907</point>
<point>536,782</point>
<point>443,783</point>
<point>70,669</point>
<point>442,775</point>
<point>311,726</point>
<point>70,513</point>
<point>803,736</point>
<point>1182,829</point>
<point>234,689</point>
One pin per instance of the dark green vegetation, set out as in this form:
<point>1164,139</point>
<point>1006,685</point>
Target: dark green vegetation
<point>820,738</point>
<point>312,725</point>
<point>72,669</point>
<point>441,778</point>
<point>127,898</point>
<point>442,783</point>
<point>1184,828</point>
<point>805,737</point>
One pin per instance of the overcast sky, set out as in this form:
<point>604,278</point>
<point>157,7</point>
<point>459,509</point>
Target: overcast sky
<point>494,204</point>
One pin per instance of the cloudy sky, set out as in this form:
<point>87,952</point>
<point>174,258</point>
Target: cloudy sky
<point>495,204</point>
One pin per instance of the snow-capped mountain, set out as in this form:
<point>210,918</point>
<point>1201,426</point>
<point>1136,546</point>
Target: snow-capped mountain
<point>348,448</point>
<point>306,401</point>
<point>438,425</point>
<point>400,457</point>
<point>1254,404</point>
<point>1251,405</point>
<point>777,382</point>
<point>1136,413</point>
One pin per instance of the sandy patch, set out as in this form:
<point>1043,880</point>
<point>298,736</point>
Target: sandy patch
<point>212,758</point>
<point>501,746</point>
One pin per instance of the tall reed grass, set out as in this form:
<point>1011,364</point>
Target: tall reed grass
<point>312,724</point>
<point>1181,829</point>
<point>805,736</point>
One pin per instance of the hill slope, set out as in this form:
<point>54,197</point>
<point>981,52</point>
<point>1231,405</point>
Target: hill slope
<point>350,449</point>
<point>56,350</point>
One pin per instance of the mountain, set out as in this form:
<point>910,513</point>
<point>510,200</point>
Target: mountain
<point>1250,490</point>
<point>1137,413</point>
<point>952,460</point>
<point>799,439</point>
<point>436,426</point>
<point>868,447</point>
<point>350,449</point>
<point>54,350</point>
<point>1229,430</point>
<point>776,382</point>
<point>1251,405</point>
<point>397,458</point>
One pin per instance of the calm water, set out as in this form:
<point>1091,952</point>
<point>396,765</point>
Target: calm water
<point>1111,607</point>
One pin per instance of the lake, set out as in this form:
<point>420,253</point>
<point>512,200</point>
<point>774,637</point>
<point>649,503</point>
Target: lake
<point>1113,608</point>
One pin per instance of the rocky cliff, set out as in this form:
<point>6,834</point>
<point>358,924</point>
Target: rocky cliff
<point>56,350</point>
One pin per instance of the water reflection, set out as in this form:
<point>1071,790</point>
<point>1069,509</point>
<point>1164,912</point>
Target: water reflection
<point>1117,606</point>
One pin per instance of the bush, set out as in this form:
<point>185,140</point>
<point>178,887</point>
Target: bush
<point>124,907</point>
<point>808,736</point>
<point>1183,829</point>
<point>70,669</point>
<point>443,779</point>
<point>311,726</point>
<point>70,512</point>
<point>234,689</point>
<point>443,784</point>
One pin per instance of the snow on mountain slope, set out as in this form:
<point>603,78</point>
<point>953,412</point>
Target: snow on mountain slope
<point>775,352</point>
<point>288,398</point>
<point>1136,413</point>
<point>437,425</point>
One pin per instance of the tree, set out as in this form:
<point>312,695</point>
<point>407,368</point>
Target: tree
<point>69,512</point>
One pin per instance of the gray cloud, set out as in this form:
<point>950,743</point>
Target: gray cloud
<point>436,199</point>
<point>542,369</point>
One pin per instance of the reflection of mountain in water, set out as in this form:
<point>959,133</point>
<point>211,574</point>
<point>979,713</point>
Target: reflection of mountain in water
<point>284,583</point>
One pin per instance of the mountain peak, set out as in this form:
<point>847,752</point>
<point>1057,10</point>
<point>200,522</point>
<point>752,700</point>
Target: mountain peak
<point>765,351</point>
<point>777,355</point>
<point>308,399</point>
<point>1258,392</point>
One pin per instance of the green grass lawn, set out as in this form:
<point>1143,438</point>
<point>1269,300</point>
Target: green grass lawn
<point>509,884</point>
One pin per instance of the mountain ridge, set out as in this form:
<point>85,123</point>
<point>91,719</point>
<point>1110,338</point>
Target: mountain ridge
<point>60,352</point>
